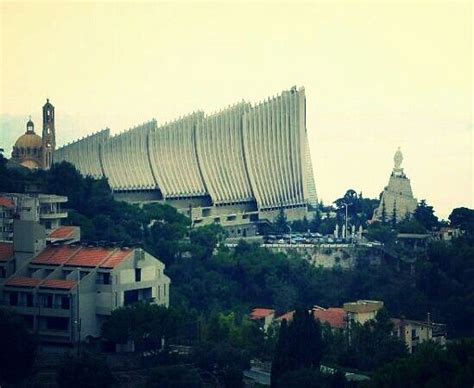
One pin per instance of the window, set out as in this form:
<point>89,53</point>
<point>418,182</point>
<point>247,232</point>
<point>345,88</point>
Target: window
<point>56,323</point>
<point>103,278</point>
<point>29,300</point>
<point>138,274</point>
<point>3,273</point>
<point>13,299</point>
<point>65,303</point>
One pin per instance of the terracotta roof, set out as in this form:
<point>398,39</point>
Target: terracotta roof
<point>116,258</point>
<point>6,202</point>
<point>89,257</point>
<point>287,316</point>
<point>259,313</point>
<point>334,316</point>
<point>82,256</point>
<point>58,284</point>
<point>55,255</point>
<point>6,251</point>
<point>20,281</point>
<point>63,232</point>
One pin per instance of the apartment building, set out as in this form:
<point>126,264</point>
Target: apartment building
<point>45,209</point>
<point>66,291</point>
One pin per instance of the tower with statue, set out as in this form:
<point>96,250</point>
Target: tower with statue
<point>396,200</point>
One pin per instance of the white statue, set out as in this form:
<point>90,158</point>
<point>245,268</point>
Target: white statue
<point>398,159</point>
<point>336,231</point>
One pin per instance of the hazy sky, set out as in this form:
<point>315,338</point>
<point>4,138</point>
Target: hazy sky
<point>377,76</point>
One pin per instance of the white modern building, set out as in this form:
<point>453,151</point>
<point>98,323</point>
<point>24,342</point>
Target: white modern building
<point>234,167</point>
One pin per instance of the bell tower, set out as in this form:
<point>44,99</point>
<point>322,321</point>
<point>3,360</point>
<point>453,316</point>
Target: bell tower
<point>49,134</point>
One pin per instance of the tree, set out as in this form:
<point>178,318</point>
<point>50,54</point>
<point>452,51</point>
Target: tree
<point>430,366</point>
<point>463,218</point>
<point>299,345</point>
<point>18,348</point>
<point>384,213</point>
<point>372,344</point>
<point>424,214</point>
<point>222,360</point>
<point>204,240</point>
<point>145,324</point>
<point>281,223</point>
<point>85,371</point>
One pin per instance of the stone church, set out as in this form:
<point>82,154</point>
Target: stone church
<point>33,151</point>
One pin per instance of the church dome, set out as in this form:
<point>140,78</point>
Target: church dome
<point>29,140</point>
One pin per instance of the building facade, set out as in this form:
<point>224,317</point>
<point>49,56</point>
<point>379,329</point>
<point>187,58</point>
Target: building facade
<point>31,150</point>
<point>45,209</point>
<point>233,167</point>
<point>65,292</point>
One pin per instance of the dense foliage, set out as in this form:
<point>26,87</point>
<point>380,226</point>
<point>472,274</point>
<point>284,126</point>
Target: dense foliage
<point>430,366</point>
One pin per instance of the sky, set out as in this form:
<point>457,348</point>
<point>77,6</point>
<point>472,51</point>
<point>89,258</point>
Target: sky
<point>377,75</point>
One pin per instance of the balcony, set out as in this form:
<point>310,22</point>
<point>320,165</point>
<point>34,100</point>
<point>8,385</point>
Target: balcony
<point>53,215</point>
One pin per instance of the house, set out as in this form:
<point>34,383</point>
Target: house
<point>66,291</point>
<point>264,316</point>
<point>362,310</point>
<point>335,317</point>
<point>413,333</point>
<point>65,235</point>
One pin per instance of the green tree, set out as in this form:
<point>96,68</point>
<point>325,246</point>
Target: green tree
<point>18,348</point>
<point>299,345</point>
<point>281,223</point>
<point>430,366</point>
<point>424,214</point>
<point>204,240</point>
<point>463,218</point>
<point>145,324</point>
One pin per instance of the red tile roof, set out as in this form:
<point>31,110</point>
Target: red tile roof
<point>55,255</point>
<point>20,281</point>
<point>116,258</point>
<point>287,316</point>
<point>261,313</point>
<point>63,232</point>
<point>7,202</point>
<point>90,257</point>
<point>334,316</point>
<point>6,251</point>
<point>59,284</point>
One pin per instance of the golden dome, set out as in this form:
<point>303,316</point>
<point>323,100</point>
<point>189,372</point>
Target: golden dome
<point>31,140</point>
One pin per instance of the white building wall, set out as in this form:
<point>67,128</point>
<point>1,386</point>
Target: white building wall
<point>173,158</point>
<point>274,143</point>
<point>84,154</point>
<point>221,157</point>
